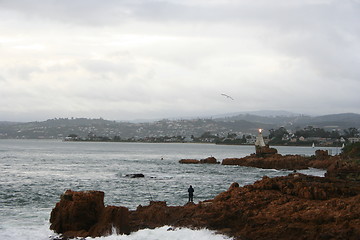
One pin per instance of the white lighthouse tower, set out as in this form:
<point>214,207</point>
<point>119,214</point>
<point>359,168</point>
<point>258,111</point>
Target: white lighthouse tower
<point>263,150</point>
<point>260,140</point>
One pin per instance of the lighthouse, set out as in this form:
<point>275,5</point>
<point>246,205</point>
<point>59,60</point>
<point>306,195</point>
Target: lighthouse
<point>259,143</point>
<point>263,150</point>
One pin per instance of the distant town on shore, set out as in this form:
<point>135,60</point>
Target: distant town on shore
<point>292,129</point>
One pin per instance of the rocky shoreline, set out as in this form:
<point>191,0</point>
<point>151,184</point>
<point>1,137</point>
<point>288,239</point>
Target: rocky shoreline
<point>337,166</point>
<point>268,158</point>
<point>296,206</point>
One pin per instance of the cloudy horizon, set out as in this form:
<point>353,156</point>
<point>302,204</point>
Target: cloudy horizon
<point>148,59</point>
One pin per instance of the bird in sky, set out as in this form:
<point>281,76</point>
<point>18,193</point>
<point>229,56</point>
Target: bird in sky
<point>225,95</point>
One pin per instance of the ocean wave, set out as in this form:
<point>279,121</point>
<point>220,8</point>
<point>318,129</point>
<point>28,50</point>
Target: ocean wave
<point>167,233</point>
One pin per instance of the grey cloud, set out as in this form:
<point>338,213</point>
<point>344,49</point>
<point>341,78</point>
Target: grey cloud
<point>268,54</point>
<point>105,66</point>
<point>278,17</point>
<point>58,68</point>
<point>329,54</point>
<point>88,12</point>
<point>24,71</point>
<point>114,12</point>
<point>2,79</point>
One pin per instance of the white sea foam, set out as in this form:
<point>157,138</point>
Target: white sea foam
<point>26,233</point>
<point>163,234</point>
<point>313,172</point>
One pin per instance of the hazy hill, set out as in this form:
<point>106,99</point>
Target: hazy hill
<point>332,121</point>
<point>244,123</point>
<point>276,120</point>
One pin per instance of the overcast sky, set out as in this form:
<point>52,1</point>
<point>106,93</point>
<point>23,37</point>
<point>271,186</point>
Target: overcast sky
<point>141,59</point>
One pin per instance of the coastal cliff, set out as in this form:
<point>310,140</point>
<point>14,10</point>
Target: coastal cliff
<point>291,207</point>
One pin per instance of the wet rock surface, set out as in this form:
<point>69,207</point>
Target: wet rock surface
<point>208,160</point>
<point>291,207</point>
<point>135,175</point>
<point>278,161</point>
<point>344,170</point>
<point>189,161</point>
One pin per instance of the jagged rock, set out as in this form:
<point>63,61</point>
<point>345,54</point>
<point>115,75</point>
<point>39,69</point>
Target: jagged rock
<point>321,154</point>
<point>344,170</point>
<point>209,160</point>
<point>234,185</point>
<point>189,161</point>
<point>265,151</point>
<point>278,161</point>
<point>135,175</point>
<point>309,187</point>
<point>291,207</point>
<point>112,218</point>
<point>77,212</point>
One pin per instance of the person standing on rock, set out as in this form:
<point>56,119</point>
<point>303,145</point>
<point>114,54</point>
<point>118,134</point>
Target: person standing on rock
<point>191,194</point>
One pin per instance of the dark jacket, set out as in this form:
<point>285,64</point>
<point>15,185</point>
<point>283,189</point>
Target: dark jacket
<point>191,190</point>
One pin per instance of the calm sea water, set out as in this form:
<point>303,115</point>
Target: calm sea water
<point>34,173</point>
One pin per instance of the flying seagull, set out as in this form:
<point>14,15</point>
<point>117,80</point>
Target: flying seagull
<point>225,95</point>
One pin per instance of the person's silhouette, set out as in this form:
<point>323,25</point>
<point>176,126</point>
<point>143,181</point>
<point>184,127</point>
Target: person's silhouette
<point>191,194</point>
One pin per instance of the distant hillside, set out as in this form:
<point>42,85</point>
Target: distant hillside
<point>60,128</point>
<point>337,121</point>
<point>350,118</point>
<point>276,120</point>
<point>7,123</point>
<point>341,121</point>
<point>239,124</point>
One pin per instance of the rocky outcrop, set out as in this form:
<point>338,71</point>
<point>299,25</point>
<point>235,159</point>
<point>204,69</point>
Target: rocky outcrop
<point>347,164</point>
<point>344,170</point>
<point>292,207</point>
<point>265,151</point>
<point>135,175</point>
<point>275,161</point>
<point>82,214</point>
<point>209,160</point>
<point>308,187</point>
<point>189,161</point>
<point>321,154</point>
<point>77,212</point>
<point>278,161</point>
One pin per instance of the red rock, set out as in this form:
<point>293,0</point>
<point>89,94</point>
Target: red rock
<point>112,218</point>
<point>189,161</point>
<point>209,160</point>
<point>265,151</point>
<point>321,154</point>
<point>275,161</point>
<point>292,207</point>
<point>278,161</point>
<point>344,170</point>
<point>77,212</point>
